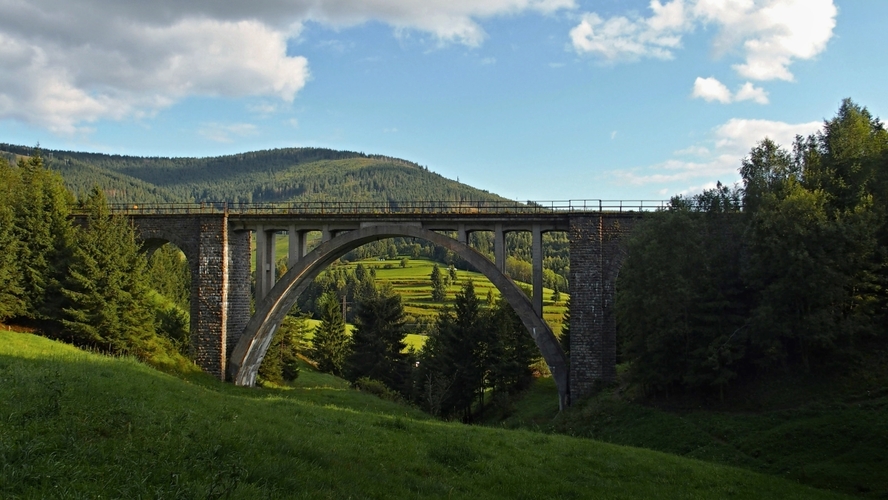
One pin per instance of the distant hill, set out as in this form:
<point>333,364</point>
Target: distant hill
<point>289,174</point>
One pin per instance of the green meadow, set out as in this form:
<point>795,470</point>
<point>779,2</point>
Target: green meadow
<point>413,283</point>
<point>79,425</point>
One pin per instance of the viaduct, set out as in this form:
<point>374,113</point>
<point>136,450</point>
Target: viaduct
<point>230,343</point>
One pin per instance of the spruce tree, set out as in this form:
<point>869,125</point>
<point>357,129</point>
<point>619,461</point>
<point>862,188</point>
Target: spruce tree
<point>439,290</point>
<point>378,341</point>
<point>11,291</point>
<point>107,287</point>
<point>509,351</point>
<point>453,353</point>
<point>331,343</point>
<point>43,226</point>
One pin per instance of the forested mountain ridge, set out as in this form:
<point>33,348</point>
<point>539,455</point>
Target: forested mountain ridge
<point>289,174</point>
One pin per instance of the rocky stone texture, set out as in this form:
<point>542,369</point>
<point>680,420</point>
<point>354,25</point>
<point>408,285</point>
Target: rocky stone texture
<point>596,254</point>
<point>220,279</point>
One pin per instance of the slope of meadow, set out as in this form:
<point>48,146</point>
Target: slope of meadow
<point>79,425</point>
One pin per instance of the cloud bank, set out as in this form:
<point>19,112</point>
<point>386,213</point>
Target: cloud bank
<point>67,64</point>
<point>769,35</point>
<point>699,166</point>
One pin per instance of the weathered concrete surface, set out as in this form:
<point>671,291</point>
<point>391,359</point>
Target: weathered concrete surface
<point>247,355</point>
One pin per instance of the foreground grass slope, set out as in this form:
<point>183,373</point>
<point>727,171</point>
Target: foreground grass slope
<point>77,425</point>
<point>829,436</point>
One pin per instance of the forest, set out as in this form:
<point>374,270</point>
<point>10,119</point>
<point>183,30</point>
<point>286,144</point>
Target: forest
<point>784,274</point>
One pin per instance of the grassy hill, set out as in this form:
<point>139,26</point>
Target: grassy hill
<point>831,433</point>
<point>78,425</point>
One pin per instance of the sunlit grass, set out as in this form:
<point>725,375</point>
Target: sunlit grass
<point>78,425</point>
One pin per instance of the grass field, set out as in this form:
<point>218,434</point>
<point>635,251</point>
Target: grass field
<point>413,284</point>
<point>829,435</point>
<point>79,425</point>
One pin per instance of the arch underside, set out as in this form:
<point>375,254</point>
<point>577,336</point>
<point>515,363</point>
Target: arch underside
<point>247,355</point>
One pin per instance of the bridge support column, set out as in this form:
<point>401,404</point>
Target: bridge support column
<point>296,248</point>
<point>209,294</point>
<point>238,287</point>
<point>537,257</point>
<point>596,254</point>
<point>461,235</point>
<point>265,244</point>
<point>499,247</point>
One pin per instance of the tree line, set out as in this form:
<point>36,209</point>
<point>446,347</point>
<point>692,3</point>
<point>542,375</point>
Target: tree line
<point>475,356</point>
<point>85,283</point>
<point>786,273</point>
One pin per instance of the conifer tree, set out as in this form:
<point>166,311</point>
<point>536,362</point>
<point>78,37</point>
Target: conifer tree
<point>331,344</point>
<point>281,361</point>
<point>439,290</point>
<point>453,352</point>
<point>378,341</point>
<point>11,290</point>
<point>564,339</point>
<point>107,286</point>
<point>43,227</point>
<point>509,350</point>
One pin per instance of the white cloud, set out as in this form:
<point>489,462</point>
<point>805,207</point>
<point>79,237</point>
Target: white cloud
<point>737,136</point>
<point>710,89</point>
<point>769,34</point>
<point>718,160</point>
<point>67,64</point>
<point>623,38</point>
<point>749,92</point>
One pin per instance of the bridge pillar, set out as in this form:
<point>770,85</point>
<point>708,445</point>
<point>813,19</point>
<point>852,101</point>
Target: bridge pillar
<point>499,247</point>
<point>537,257</point>
<point>296,248</point>
<point>265,265</point>
<point>596,255</point>
<point>238,287</point>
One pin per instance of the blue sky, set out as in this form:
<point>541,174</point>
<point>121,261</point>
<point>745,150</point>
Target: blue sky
<point>530,99</point>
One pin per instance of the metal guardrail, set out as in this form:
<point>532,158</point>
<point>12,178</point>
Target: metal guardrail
<point>393,207</point>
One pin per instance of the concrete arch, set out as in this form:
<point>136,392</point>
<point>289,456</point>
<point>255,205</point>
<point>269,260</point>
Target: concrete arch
<point>247,355</point>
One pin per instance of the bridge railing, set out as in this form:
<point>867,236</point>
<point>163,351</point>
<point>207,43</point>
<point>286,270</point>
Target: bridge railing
<point>392,207</point>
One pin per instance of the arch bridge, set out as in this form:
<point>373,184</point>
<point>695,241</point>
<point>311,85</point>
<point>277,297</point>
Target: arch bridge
<point>230,343</point>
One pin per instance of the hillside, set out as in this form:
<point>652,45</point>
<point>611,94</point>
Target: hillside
<point>79,425</point>
<point>290,174</point>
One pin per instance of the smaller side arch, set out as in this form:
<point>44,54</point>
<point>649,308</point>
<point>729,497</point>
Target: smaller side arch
<point>248,353</point>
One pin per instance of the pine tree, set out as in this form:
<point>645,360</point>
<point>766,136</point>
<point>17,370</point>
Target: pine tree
<point>439,290</point>
<point>107,286</point>
<point>378,341</point>
<point>509,351</point>
<point>11,290</point>
<point>42,225</point>
<point>564,340</point>
<point>281,361</point>
<point>331,343</point>
<point>453,353</point>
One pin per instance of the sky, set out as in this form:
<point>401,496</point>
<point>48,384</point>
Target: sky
<point>530,99</point>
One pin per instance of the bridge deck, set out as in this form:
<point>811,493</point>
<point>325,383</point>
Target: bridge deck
<point>310,209</point>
